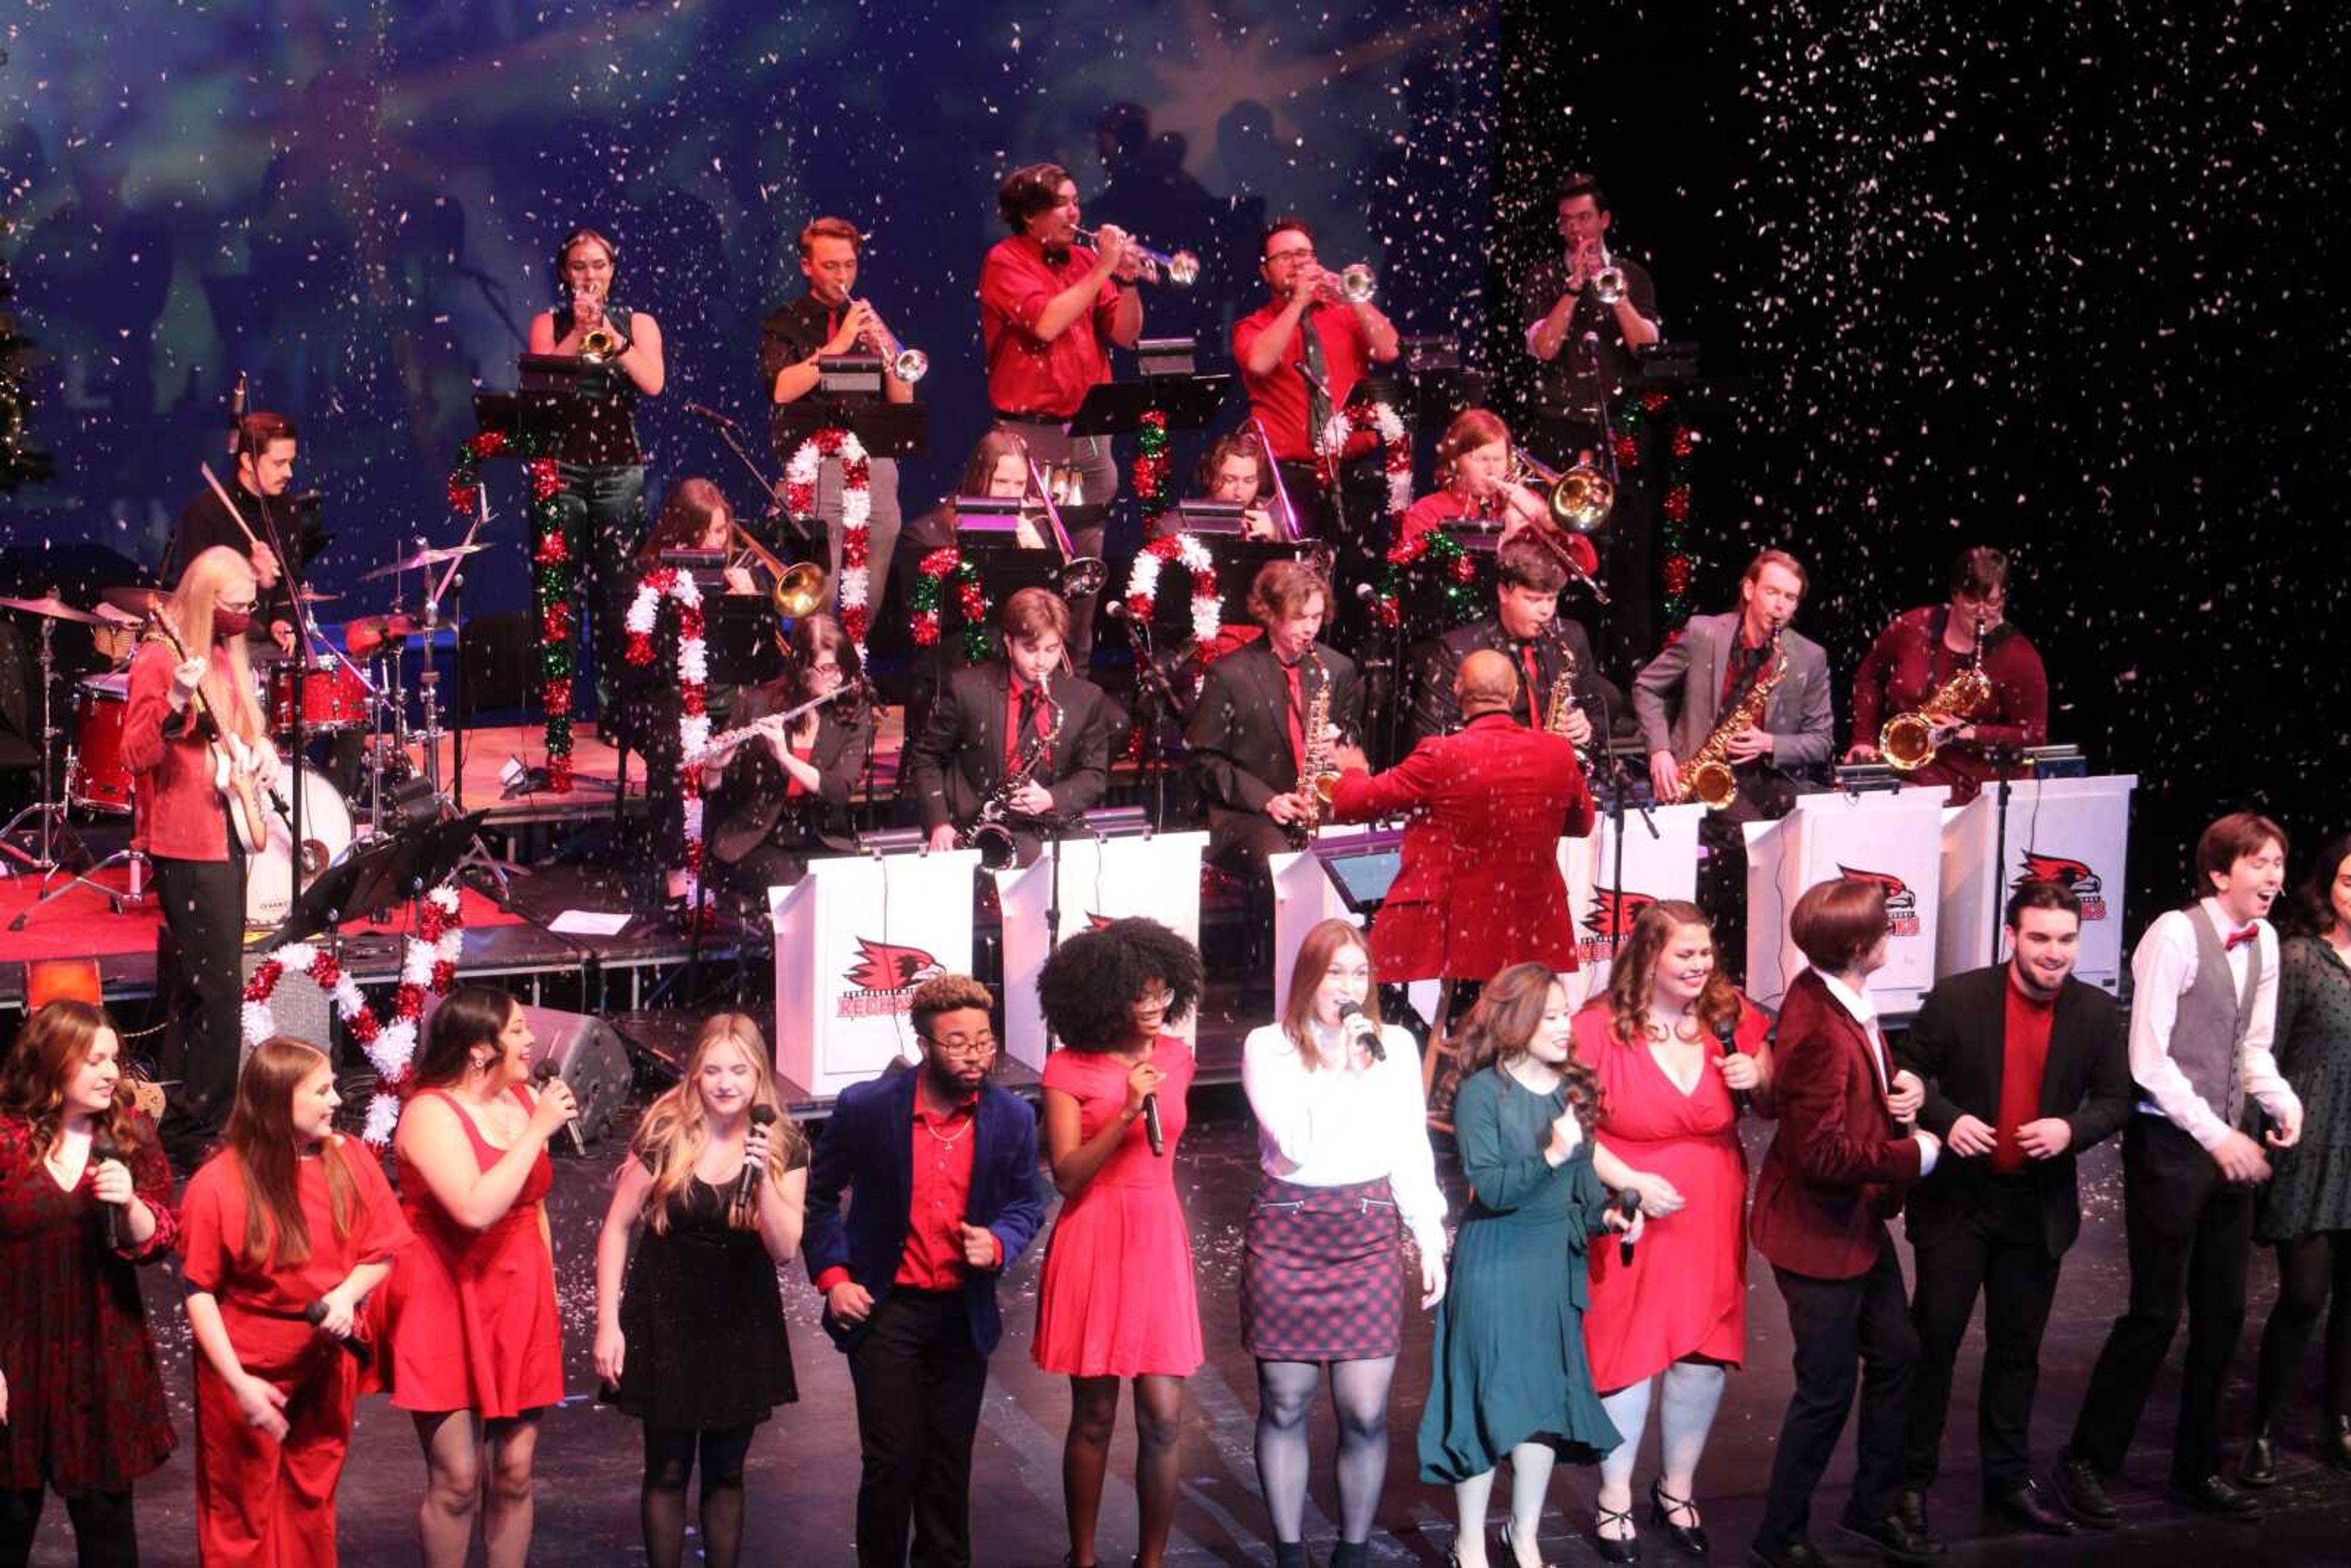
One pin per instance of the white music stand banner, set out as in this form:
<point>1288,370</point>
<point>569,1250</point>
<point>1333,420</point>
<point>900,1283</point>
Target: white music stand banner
<point>853,938</point>
<point>2074,831</point>
<point>1157,876</point>
<point>1894,839</point>
<point>1656,868</point>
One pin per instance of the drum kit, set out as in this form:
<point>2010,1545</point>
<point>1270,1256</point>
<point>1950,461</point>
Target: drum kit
<point>361,688</point>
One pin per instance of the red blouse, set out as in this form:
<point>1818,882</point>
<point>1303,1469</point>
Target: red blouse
<point>1446,509</point>
<point>180,815</point>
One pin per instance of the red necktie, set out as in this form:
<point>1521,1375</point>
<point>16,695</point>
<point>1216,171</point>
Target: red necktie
<point>2237,938</point>
<point>1535,692</point>
<point>1297,707</point>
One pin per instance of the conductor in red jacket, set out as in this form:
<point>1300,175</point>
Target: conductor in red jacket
<point>1480,887</point>
<point>1846,1152</point>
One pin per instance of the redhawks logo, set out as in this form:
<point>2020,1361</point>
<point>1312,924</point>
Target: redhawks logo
<point>1901,904</point>
<point>884,977</point>
<point>2075,874</point>
<point>1610,922</point>
<point>1096,922</point>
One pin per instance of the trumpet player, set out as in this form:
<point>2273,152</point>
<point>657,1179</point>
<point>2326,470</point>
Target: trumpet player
<point>1049,310</point>
<point>827,321</point>
<point>1543,647</point>
<point>1925,650</point>
<point>988,717</point>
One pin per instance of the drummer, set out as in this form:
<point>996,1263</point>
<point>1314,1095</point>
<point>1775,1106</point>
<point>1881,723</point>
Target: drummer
<point>265,468</point>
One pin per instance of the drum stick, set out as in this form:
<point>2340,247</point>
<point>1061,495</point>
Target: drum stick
<point>235,515</point>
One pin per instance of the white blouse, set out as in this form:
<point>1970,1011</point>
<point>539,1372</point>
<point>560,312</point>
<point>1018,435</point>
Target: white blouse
<point>1333,1127</point>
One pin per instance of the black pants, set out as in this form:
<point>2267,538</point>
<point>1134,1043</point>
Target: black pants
<point>1845,1331</point>
<point>2190,1237</point>
<point>2310,1269</point>
<point>919,1381</point>
<point>105,1530</point>
<point>1998,1249</point>
<point>604,517</point>
<point>201,989</point>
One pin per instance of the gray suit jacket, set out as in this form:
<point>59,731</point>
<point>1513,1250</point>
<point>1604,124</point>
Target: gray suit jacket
<point>1676,693</point>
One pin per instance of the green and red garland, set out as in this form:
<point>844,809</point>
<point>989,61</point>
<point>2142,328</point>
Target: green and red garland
<point>1455,569</point>
<point>942,566</point>
<point>554,575</point>
<point>1677,564</point>
<point>1150,473</point>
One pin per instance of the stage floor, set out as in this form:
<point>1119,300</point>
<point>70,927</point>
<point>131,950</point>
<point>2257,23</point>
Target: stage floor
<point>804,1464</point>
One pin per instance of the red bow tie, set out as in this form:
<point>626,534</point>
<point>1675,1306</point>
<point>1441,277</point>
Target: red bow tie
<point>2238,938</point>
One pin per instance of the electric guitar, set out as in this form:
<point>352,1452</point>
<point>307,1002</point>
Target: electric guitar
<point>233,762</point>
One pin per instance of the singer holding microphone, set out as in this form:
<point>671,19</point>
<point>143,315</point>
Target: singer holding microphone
<point>693,1344</point>
<point>1679,1055</point>
<point>85,1197</point>
<point>1508,1374</point>
<point>283,1234</point>
<point>475,1340</point>
<point>1345,1173</point>
<point>1116,1300</point>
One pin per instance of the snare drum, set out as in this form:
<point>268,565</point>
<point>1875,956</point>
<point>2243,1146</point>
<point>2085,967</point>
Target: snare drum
<point>102,779</point>
<point>332,699</point>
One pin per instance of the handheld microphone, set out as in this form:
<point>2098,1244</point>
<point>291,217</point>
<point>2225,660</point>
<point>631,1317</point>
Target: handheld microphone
<point>1627,1202</point>
<point>103,1148</point>
<point>1151,1127</point>
<point>544,1074</point>
<point>315,1313</point>
<point>1374,1046</point>
<point>714,416</point>
<point>1725,1037</point>
<point>746,1185</point>
<point>1366,591</point>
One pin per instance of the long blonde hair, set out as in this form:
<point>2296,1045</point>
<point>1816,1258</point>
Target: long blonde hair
<point>674,1132</point>
<point>190,611</point>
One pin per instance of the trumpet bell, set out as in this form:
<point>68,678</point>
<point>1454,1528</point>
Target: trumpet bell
<point>1183,269</point>
<point>910,365</point>
<point>1083,578</point>
<point>1357,284</point>
<point>800,591</point>
<point>1583,499</point>
<point>1608,285</point>
<point>598,344</point>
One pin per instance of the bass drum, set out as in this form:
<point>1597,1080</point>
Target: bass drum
<point>326,834</point>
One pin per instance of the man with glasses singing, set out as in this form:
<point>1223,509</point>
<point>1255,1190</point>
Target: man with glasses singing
<point>908,1273</point>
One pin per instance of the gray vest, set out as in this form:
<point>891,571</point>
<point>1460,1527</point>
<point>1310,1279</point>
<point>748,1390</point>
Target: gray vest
<point>2211,1022</point>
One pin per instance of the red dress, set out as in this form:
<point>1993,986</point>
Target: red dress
<point>1685,1292</point>
<point>472,1315</point>
<point>86,1408</point>
<point>1116,1299</point>
<point>260,1500</point>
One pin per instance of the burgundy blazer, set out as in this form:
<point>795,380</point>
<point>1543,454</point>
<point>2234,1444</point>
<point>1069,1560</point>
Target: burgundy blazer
<point>1479,888</point>
<point>1840,1164</point>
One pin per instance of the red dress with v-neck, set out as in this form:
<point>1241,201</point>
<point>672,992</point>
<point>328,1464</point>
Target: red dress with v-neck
<point>1684,1293</point>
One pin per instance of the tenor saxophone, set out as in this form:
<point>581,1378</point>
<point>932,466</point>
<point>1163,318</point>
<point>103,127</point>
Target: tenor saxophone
<point>1706,774</point>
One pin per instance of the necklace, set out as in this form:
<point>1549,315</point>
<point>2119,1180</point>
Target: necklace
<point>949,1142</point>
<point>1682,1027</point>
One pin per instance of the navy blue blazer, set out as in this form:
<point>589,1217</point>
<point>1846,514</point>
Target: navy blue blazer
<point>868,1150</point>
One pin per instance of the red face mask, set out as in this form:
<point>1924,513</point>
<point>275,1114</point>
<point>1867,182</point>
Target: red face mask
<point>231,622</point>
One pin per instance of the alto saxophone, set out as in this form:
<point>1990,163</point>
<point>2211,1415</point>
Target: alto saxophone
<point>1316,777</point>
<point>991,829</point>
<point>1560,706</point>
<point>1909,741</point>
<point>1706,774</point>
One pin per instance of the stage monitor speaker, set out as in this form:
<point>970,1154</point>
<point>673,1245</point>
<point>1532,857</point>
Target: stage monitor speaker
<point>590,1059</point>
<point>299,1008</point>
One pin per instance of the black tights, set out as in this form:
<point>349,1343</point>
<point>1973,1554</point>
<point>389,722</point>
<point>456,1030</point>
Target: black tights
<point>1285,1399</point>
<point>669,1459</point>
<point>2308,1265</point>
<point>105,1532</point>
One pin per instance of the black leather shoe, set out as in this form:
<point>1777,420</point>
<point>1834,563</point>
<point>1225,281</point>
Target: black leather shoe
<point>1893,1536</point>
<point>1663,1506</point>
<point>1795,1555</point>
<point>1624,1548</point>
<point>2027,1506</point>
<point>2259,1466</point>
<point>2334,1442</point>
<point>2213,1495</point>
<point>1913,1510</point>
<point>2082,1493</point>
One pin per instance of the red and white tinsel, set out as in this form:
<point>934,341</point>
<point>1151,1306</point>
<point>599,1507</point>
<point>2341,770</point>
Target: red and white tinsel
<point>1187,551</point>
<point>1383,421</point>
<point>428,963</point>
<point>856,516</point>
<point>694,684</point>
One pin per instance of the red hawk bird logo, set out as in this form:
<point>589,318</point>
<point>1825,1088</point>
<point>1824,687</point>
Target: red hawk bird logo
<point>1897,890</point>
<point>2058,869</point>
<point>1613,914</point>
<point>1096,922</point>
<point>889,967</point>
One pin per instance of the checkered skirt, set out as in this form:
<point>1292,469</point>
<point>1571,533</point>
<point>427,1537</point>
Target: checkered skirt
<point>1322,1273</point>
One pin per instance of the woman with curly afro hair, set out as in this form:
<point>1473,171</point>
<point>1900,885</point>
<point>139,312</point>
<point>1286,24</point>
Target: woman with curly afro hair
<point>1117,1299</point>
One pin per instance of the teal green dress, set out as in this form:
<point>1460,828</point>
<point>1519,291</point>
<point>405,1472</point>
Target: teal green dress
<point>1508,1366</point>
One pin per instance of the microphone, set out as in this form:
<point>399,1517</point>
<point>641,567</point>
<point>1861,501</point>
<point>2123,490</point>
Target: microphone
<point>544,1074</point>
<point>1312,380</point>
<point>1725,1037</point>
<point>1627,1202</point>
<point>103,1148</point>
<point>1373,1045</point>
<point>714,416</point>
<point>1366,591</point>
<point>315,1313</point>
<point>1151,1127</point>
<point>746,1185</point>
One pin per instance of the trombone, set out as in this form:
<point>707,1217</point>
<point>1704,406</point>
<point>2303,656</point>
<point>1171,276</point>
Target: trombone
<point>795,590</point>
<point>1181,268</point>
<point>1578,499</point>
<point>1082,576</point>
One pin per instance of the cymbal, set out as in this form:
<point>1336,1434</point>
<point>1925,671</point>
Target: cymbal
<point>424,558</point>
<point>369,633</point>
<point>114,617</point>
<point>53,607</point>
<point>136,600</point>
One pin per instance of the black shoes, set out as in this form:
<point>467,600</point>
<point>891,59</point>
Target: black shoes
<point>2212,1495</point>
<point>1663,1506</point>
<point>1795,1555</point>
<point>2082,1494</point>
<point>1912,1508</point>
<point>2027,1506</point>
<point>1893,1536</point>
<point>2259,1466</point>
<point>1625,1548</point>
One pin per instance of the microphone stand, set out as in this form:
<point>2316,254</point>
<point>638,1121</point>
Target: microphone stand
<point>1338,500</point>
<point>727,429</point>
<point>1152,684</point>
<point>2002,758</point>
<point>1607,466</point>
<point>1619,786</point>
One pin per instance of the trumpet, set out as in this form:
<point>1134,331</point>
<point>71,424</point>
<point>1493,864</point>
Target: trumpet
<point>1181,268</point>
<point>1355,284</point>
<point>599,342</point>
<point>1608,283</point>
<point>909,365</point>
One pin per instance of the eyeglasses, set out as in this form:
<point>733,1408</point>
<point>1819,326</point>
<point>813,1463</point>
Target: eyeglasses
<point>1304,253</point>
<point>1154,1001</point>
<point>972,1047</point>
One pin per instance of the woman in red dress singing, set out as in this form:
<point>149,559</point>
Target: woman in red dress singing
<point>476,1348</point>
<point>1116,1300</point>
<point>1679,1053</point>
<point>284,1233</point>
<point>85,1194</point>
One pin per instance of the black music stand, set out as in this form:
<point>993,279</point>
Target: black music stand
<point>1116,408</point>
<point>376,873</point>
<point>883,429</point>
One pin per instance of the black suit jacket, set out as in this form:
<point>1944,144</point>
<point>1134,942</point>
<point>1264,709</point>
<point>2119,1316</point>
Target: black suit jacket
<point>959,759</point>
<point>1956,1044</point>
<point>753,801</point>
<point>1239,735</point>
<point>1434,711</point>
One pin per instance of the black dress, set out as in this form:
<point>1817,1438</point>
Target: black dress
<point>703,1317</point>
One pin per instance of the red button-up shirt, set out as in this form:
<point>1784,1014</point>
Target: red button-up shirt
<point>1027,375</point>
<point>2024,1055</point>
<point>1280,396</point>
<point>936,1202</point>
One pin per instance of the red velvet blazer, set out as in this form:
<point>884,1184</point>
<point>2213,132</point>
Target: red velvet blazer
<point>1840,1164</point>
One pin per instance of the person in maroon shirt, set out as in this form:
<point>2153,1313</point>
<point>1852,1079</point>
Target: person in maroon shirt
<point>1048,310</point>
<point>1926,647</point>
<point>2025,1067</point>
<point>1475,493</point>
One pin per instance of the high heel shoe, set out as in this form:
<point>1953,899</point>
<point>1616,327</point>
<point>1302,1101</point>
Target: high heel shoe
<point>1663,1506</point>
<point>1509,1550</point>
<point>1615,1549</point>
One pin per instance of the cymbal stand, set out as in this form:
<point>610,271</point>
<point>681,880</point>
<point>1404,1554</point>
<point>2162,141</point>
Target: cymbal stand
<point>58,839</point>
<point>478,855</point>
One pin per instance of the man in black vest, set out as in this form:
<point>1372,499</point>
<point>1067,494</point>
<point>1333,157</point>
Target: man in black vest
<point>2203,1010</point>
<point>2025,1067</point>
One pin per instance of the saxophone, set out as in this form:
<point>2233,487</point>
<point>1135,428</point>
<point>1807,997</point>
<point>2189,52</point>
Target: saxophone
<point>1706,774</point>
<point>1560,706</point>
<point>1909,741</point>
<point>991,829</point>
<point>1316,777</point>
